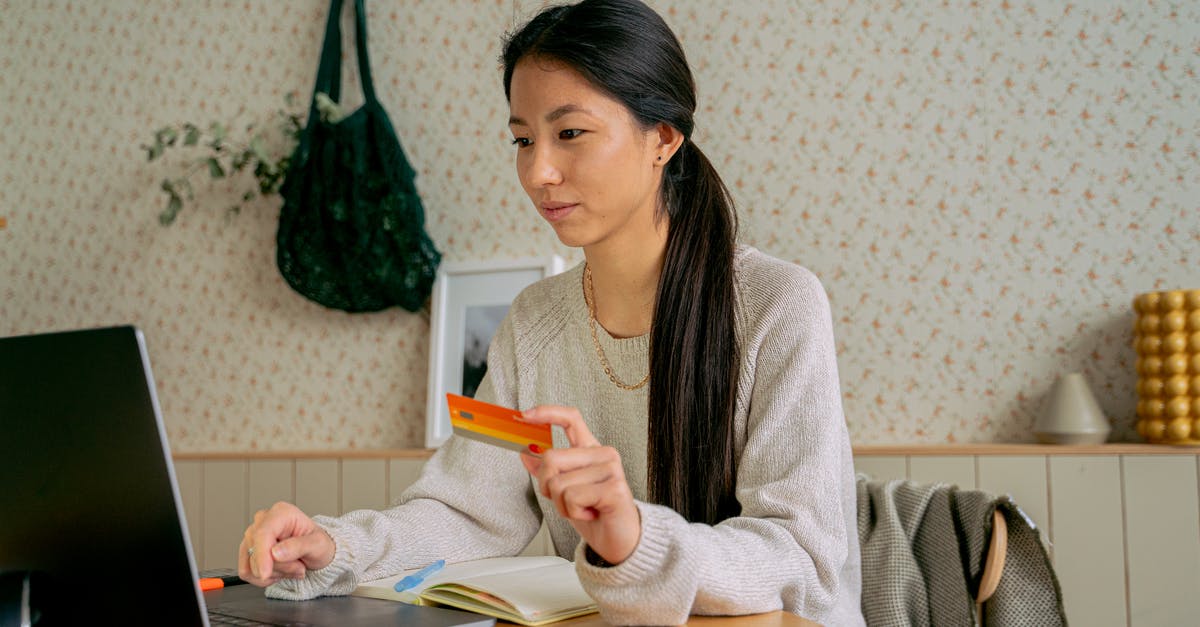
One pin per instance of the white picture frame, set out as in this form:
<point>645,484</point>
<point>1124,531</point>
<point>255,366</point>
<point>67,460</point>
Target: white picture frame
<point>469,301</point>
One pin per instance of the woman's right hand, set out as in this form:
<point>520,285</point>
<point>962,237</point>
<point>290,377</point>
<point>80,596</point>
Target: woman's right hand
<point>282,543</point>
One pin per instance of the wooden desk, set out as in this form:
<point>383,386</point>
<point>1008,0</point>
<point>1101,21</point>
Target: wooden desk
<point>770,619</point>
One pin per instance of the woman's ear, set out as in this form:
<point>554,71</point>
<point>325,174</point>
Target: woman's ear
<point>669,140</point>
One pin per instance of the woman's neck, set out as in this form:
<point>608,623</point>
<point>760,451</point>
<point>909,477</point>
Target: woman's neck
<point>625,283</point>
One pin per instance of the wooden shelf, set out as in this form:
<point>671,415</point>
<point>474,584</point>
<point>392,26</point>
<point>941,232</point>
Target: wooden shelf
<point>381,453</point>
<point>866,450</point>
<point>1024,449</point>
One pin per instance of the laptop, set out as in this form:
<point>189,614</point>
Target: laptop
<point>92,529</point>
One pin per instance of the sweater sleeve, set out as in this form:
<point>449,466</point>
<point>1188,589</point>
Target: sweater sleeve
<point>472,501</point>
<point>788,547</point>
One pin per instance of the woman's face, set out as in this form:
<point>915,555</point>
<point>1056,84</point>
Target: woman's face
<point>588,167</point>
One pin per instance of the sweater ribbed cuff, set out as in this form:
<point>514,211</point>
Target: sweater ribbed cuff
<point>641,565</point>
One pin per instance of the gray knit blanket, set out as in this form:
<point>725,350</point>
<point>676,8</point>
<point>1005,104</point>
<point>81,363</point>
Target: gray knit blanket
<point>922,558</point>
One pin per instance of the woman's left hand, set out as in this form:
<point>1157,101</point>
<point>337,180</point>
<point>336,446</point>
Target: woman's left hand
<point>587,485</point>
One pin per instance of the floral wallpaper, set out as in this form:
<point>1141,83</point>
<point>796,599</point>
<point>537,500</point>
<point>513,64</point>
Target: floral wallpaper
<point>982,187</point>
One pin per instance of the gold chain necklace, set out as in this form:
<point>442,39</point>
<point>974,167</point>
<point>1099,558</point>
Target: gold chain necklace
<point>589,296</point>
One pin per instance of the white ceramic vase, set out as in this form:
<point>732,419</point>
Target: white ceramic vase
<point>1072,415</point>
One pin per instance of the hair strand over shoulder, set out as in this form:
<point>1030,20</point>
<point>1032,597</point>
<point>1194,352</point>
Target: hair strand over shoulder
<point>626,50</point>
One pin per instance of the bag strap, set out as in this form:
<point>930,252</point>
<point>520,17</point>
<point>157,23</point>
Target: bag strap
<point>329,69</point>
<point>329,75</point>
<point>364,62</point>
<point>329,72</point>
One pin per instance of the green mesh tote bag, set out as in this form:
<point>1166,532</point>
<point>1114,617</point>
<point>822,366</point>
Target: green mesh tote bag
<point>352,229</point>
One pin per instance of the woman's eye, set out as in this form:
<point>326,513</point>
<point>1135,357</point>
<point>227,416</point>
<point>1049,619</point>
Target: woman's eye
<point>521,142</point>
<point>570,133</point>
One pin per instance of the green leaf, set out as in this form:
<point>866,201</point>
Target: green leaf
<point>166,136</point>
<point>256,147</point>
<point>217,130</point>
<point>292,126</point>
<point>229,153</point>
<point>191,134</point>
<point>269,177</point>
<point>184,185</point>
<point>268,185</point>
<point>214,168</point>
<point>240,160</point>
<point>173,206</point>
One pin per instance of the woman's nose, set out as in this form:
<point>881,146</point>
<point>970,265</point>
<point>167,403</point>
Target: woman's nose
<point>543,168</point>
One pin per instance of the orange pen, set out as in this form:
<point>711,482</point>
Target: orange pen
<point>211,583</point>
<point>216,583</point>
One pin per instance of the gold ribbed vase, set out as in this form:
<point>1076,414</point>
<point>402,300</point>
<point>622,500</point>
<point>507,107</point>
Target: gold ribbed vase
<point>1166,336</point>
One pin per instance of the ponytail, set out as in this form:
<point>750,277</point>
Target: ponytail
<point>694,358</point>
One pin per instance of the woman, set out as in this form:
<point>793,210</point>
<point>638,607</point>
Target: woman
<point>703,464</point>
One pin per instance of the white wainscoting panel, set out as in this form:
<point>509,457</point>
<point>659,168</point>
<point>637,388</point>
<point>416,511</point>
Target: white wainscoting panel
<point>224,512</point>
<point>882,467</point>
<point>401,474</point>
<point>1124,528</point>
<point>189,475</point>
<point>1161,517</point>
<point>364,484</point>
<point>1088,537</point>
<point>1024,478</point>
<point>318,485</point>
<point>271,481</point>
<point>955,469</point>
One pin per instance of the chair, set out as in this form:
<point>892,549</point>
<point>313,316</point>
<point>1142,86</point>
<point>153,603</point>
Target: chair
<point>933,554</point>
<point>993,563</point>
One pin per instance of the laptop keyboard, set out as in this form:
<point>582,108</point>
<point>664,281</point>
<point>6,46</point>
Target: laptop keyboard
<point>215,618</point>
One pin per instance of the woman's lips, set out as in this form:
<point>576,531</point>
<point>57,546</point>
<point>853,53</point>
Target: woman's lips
<point>557,211</point>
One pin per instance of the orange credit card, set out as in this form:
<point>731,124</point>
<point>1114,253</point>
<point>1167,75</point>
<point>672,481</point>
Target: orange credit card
<point>496,425</point>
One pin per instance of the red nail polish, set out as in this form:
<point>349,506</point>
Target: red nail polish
<point>534,448</point>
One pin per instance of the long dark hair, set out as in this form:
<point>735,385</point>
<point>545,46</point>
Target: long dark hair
<point>627,51</point>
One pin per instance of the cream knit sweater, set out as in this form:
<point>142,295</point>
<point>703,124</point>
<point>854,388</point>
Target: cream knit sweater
<point>793,547</point>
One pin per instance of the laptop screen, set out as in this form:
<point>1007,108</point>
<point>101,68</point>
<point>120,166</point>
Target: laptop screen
<point>87,493</point>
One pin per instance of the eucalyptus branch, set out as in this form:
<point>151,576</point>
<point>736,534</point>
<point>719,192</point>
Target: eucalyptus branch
<point>223,157</point>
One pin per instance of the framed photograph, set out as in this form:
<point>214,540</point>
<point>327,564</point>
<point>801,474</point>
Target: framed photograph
<point>469,302</point>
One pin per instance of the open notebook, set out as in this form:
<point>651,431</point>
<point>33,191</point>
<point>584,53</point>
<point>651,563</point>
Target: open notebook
<point>532,590</point>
